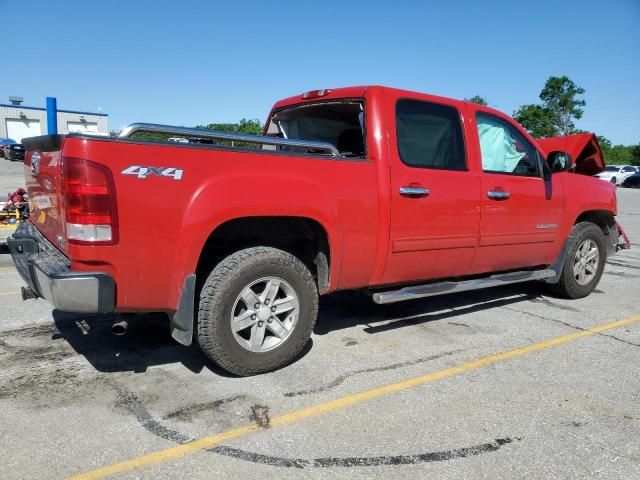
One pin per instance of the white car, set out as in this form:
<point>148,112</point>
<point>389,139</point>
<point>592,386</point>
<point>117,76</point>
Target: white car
<point>617,173</point>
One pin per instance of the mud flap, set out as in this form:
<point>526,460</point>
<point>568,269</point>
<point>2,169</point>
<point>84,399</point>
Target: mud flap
<point>182,320</point>
<point>558,264</point>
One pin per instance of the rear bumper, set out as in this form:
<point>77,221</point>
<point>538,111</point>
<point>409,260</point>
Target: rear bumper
<point>48,274</point>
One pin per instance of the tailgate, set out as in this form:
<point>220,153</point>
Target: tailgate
<point>43,176</point>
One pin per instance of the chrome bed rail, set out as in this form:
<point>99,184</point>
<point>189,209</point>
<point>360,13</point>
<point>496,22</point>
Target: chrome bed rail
<point>129,130</point>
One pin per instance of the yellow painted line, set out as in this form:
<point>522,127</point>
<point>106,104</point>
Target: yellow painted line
<point>6,294</point>
<point>2,269</point>
<point>340,403</point>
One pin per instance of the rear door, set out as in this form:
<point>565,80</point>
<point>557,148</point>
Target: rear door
<point>435,196</point>
<point>522,208</point>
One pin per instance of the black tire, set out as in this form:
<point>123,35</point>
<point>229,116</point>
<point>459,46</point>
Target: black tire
<point>568,286</point>
<point>614,180</point>
<point>218,298</point>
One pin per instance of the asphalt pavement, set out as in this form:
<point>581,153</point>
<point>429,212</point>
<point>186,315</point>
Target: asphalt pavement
<point>503,383</point>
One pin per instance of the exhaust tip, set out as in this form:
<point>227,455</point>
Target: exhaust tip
<point>120,328</point>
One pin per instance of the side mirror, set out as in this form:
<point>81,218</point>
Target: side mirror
<point>559,161</point>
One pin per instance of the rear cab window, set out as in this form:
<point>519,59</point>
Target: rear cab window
<point>339,122</point>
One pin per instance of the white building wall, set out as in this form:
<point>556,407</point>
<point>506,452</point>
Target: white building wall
<point>89,122</point>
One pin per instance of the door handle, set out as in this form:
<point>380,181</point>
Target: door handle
<point>414,192</point>
<point>498,195</point>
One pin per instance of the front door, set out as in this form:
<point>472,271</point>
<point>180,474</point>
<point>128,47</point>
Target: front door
<point>522,209</point>
<point>435,197</point>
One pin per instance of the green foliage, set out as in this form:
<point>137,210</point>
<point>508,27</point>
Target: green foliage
<point>560,97</point>
<point>605,143</point>
<point>244,126</point>
<point>537,120</point>
<point>477,99</point>
<point>619,154</point>
<point>560,106</point>
<point>635,155</point>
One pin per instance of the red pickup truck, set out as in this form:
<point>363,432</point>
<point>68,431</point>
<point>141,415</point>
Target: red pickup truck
<point>402,194</point>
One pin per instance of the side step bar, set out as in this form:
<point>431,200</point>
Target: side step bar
<point>440,288</point>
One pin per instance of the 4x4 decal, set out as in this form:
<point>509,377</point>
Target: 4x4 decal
<point>144,172</point>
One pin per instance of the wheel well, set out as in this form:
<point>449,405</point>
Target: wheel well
<point>303,237</point>
<point>603,218</point>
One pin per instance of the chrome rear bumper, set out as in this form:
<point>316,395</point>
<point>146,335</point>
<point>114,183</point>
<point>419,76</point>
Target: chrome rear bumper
<point>48,274</point>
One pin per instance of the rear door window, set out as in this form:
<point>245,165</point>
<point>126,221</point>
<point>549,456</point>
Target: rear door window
<point>429,135</point>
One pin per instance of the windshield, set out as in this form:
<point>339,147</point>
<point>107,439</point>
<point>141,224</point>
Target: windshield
<point>611,169</point>
<point>338,123</point>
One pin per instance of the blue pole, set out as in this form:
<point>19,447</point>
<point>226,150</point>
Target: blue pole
<point>52,116</point>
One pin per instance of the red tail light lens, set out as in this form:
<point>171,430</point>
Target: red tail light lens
<point>90,203</point>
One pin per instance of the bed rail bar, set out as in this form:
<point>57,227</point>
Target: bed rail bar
<point>129,130</point>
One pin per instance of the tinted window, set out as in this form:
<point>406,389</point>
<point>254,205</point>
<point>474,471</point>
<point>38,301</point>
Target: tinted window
<point>429,135</point>
<point>504,149</point>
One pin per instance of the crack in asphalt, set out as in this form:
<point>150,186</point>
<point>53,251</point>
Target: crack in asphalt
<point>570,325</point>
<point>328,462</point>
<point>341,378</point>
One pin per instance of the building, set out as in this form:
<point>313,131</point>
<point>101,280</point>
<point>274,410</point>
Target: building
<point>18,121</point>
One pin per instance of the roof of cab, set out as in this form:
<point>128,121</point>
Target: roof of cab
<point>359,91</point>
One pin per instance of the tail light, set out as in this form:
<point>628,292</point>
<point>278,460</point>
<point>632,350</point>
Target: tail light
<point>90,203</point>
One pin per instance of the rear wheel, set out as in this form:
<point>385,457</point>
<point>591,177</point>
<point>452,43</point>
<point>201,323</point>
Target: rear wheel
<point>614,180</point>
<point>584,262</point>
<point>257,310</point>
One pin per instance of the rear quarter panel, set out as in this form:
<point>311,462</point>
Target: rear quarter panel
<point>164,223</point>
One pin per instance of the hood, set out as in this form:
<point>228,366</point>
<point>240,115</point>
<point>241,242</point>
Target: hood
<point>583,148</point>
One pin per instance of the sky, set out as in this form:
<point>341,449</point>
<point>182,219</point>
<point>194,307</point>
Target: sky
<point>199,62</point>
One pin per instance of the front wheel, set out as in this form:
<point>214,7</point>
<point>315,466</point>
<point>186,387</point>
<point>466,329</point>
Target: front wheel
<point>584,262</point>
<point>257,310</point>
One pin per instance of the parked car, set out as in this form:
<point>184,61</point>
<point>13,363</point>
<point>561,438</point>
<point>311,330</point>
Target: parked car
<point>617,173</point>
<point>3,142</point>
<point>14,151</point>
<point>401,194</point>
<point>632,181</point>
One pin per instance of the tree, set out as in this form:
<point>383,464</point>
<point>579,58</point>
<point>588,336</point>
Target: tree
<point>605,146</point>
<point>604,142</point>
<point>244,126</point>
<point>477,99</point>
<point>560,97</point>
<point>635,155</point>
<point>537,120</point>
<point>618,155</point>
